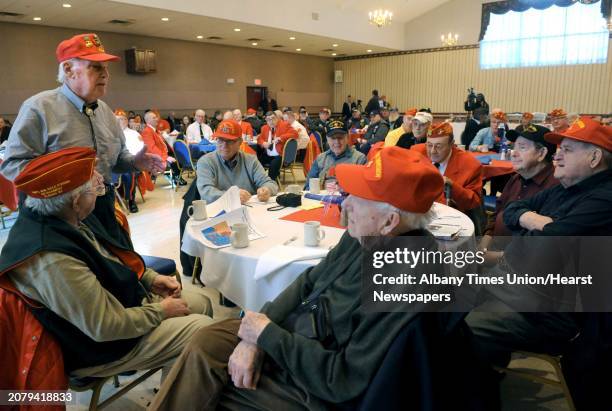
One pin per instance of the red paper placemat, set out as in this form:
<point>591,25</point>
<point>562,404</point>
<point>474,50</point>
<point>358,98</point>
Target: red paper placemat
<point>331,219</point>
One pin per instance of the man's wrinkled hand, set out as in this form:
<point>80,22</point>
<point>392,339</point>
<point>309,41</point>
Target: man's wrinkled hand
<point>244,365</point>
<point>534,221</point>
<point>244,196</point>
<point>252,326</point>
<point>263,194</point>
<point>174,307</point>
<point>166,286</point>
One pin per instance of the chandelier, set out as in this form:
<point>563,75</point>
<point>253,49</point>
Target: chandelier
<point>449,40</point>
<point>380,17</point>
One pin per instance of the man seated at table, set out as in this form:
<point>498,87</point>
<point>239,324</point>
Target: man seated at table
<point>320,124</point>
<point>261,363</point>
<point>198,132</point>
<point>376,132</point>
<point>356,122</point>
<point>526,120</point>
<point>579,206</point>
<point>532,160</point>
<point>89,292</point>
<point>134,143</point>
<point>462,172</point>
<point>485,138</point>
<point>303,137</point>
<point>229,166</point>
<point>247,129</point>
<point>157,145</point>
<point>559,120</point>
<point>402,136</point>
<point>477,121</point>
<point>271,142</point>
<point>339,153</point>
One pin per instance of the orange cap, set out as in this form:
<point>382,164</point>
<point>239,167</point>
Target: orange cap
<point>558,112</point>
<point>84,46</point>
<point>120,112</point>
<point>251,111</point>
<point>400,177</point>
<point>587,130</point>
<point>57,173</point>
<point>444,129</point>
<point>500,115</point>
<point>528,116</point>
<point>228,129</point>
<point>411,112</point>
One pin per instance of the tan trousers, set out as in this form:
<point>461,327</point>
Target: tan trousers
<point>199,379</point>
<point>161,346</point>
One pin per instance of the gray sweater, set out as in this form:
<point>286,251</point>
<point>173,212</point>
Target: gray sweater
<point>215,176</point>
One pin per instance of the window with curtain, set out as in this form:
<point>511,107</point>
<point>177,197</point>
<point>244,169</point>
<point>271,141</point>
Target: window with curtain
<point>554,36</point>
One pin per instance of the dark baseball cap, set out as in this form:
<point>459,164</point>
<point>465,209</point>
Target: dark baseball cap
<point>335,128</point>
<point>532,132</point>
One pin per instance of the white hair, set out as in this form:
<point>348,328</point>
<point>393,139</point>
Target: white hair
<point>228,115</point>
<point>61,74</point>
<point>413,220</point>
<point>200,112</point>
<point>55,205</point>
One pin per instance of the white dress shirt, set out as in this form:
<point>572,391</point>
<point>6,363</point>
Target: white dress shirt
<point>193,132</point>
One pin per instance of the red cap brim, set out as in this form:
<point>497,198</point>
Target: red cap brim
<point>99,57</point>
<point>351,178</point>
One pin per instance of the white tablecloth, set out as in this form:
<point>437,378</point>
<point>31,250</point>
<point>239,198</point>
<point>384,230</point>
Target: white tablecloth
<point>232,271</point>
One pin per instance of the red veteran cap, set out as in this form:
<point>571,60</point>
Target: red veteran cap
<point>251,111</point>
<point>57,173</point>
<point>558,112</point>
<point>444,129</point>
<point>120,113</point>
<point>400,177</point>
<point>228,129</point>
<point>411,112</point>
<point>587,130</point>
<point>84,46</point>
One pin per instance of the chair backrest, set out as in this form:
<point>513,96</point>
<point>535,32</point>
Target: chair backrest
<point>319,139</point>
<point>289,152</point>
<point>183,155</point>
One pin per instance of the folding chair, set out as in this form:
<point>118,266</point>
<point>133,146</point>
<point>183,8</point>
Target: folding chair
<point>116,181</point>
<point>288,158</point>
<point>183,156</point>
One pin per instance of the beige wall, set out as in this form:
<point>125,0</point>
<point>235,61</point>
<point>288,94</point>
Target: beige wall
<point>189,74</point>
<point>439,80</point>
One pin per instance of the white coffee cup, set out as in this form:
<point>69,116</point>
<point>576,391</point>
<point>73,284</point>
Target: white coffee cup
<point>197,210</point>
<point>239,238</point>
<point>313,234</point>
<point>294,189</point>
<point>314,185</point>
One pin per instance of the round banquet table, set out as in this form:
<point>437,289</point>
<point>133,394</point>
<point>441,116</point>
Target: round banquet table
<point>232,271</point>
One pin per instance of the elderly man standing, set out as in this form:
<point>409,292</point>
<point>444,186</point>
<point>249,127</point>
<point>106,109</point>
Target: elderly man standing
<point>559,120</point>
<point>262,362</point>
<point>271,141</point>
<point>93,295</point>
<point>462,172</point>
<point>73,115</point>
<point>229,166</point>
<point>339,153</point>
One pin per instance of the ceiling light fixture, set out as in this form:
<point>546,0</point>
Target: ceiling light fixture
<point>236,29</point>
<point>334,54</point>
<point>66,5</point>
<point>449,40</point>
<point>334,45</point>
<point>199,37</point>
<point>380,17</point>
<point>253,44</point>
<point>165,19</point>
<point>37,18</point>
<point>298,49</point>
<point>291,38</point>
<point>369,51</point>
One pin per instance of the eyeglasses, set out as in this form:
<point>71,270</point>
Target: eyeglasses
<point>437,146</point>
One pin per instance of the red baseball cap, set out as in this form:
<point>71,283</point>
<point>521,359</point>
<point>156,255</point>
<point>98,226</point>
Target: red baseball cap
<point>587,130</point>
<point>83,46</point>
<point>251,111</point>
<point>400,177</point>
<point>119,112</point>
<point>229,130</point>
<point>558,112</point>
<point>57,173</point>
<point>411,112</point>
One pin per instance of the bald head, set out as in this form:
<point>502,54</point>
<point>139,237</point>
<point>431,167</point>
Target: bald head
<point>200,115</point>
<point>228,115</point>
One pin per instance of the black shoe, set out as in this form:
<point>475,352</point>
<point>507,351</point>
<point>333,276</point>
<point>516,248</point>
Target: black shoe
<point>133,207</point>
